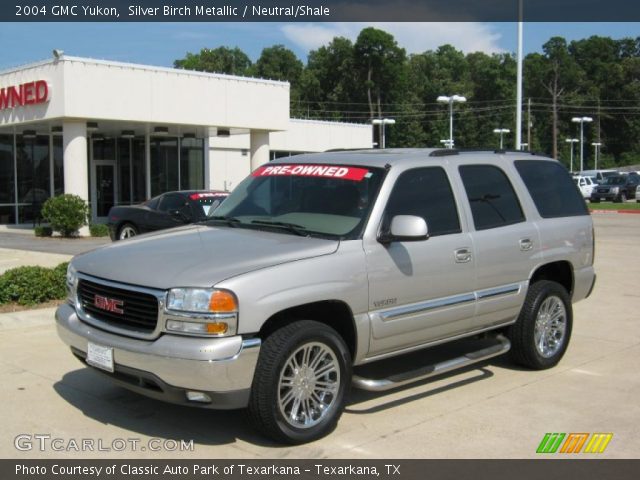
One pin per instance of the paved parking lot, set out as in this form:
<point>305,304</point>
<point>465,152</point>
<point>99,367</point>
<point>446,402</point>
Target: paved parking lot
<point>494,410</point>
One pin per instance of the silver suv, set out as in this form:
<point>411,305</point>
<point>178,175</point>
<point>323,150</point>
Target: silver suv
<point>319,264</point>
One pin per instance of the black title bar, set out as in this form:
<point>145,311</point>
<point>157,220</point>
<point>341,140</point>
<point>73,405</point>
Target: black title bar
<point>319,11</point>
<point>583,469</point>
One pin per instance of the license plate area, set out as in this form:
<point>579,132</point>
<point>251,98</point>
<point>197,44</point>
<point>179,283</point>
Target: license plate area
<point>100,357</point>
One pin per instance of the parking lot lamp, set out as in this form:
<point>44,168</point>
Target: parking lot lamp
<point>501,132</point>
<point>596,146</point>
<point>451,99</point>
<point>581,121</point>
<point>382,122</point>
<point>571,141</point>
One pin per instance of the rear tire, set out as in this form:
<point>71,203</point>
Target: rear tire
<point>127,230</point>
<point>541,335</point>
<point>301,382</point>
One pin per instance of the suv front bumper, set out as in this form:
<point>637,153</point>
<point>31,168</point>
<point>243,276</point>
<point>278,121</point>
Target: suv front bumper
<point>171,365</point>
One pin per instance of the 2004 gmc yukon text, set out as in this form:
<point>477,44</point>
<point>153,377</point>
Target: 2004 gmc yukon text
<point>321,263</point>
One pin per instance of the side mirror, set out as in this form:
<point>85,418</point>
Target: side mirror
<point>405,228</point>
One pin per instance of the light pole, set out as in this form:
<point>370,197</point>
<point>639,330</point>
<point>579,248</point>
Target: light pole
<point>501,131</point>
<point>524,146</point>
<point>382,122</point>
<point>581,121</point>
<point>450,100</point>
<point>596,146</point>
<point>447,143</point>
<point>571,141</point>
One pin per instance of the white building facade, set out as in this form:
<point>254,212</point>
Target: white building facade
<point>116,133</point>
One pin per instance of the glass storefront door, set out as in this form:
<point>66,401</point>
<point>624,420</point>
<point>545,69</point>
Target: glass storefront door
<point>103,188</point>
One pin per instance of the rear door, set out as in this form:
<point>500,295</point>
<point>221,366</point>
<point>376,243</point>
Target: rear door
<point>506,245</point>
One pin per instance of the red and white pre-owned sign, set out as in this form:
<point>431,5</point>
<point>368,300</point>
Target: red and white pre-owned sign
<point>29,93</point>
<point>325,171</point>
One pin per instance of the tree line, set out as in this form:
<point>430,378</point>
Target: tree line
<point>374,77</point>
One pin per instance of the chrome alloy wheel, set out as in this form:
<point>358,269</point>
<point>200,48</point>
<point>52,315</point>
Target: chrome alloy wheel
<point>550,328</point>
<point>127,232</point>
<point>308,385</point>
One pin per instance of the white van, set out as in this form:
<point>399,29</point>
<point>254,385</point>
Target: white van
<point>599,175</point>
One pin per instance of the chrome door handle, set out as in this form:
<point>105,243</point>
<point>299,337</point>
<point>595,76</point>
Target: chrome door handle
<point>526,244</point>
<point>462,255</point>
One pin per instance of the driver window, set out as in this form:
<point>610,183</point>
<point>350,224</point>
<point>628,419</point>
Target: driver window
<point>425,192</point>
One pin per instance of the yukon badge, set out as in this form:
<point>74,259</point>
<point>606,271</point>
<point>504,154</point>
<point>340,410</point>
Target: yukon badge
<point>108,304</point>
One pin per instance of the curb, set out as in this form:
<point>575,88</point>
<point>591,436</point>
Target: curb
<point>615,211</point>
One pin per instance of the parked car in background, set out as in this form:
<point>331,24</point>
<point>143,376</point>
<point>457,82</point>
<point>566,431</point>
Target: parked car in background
<point>585,185</point>
<point>168,210</point>
<point>599,175</point>
<point>617,188</point>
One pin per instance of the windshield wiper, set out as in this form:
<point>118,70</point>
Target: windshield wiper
<point>231,221</point>
<point>291,227</point>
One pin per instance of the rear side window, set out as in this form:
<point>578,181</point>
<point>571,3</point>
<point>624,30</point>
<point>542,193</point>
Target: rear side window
<point>493,201</point>
<point>425,192</point>
<point>551,189</point>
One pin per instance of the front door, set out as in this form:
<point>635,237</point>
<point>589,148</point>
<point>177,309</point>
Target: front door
<point>103,188</point>
<point>423,291</point>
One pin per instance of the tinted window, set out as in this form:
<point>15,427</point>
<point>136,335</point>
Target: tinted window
<point>172,201</point>
<point>426,193</point>
<point>550,187</point>
<point>493,200</point>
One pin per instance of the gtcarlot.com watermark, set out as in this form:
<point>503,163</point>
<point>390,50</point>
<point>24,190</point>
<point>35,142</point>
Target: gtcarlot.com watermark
<point>43,442</point>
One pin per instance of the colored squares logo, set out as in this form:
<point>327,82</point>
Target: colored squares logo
<point>574,442</point>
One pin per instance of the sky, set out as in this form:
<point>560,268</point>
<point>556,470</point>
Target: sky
<point>161,43</point>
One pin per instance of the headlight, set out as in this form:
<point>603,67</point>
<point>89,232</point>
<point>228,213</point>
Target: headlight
<point>71,284</point>
<point>201,311</point>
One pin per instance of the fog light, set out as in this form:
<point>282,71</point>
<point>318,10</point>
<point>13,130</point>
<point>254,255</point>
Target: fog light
<point>198,397</point>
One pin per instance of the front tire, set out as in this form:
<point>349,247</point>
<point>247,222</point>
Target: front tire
<point>540,336</point>
<point>301,382</point>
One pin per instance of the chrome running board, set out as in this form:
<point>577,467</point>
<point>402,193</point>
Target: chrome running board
<point>398,380</point>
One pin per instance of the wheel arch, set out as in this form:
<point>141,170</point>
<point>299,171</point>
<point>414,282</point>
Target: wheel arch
<point>560,271</point>
<point>333,313</point>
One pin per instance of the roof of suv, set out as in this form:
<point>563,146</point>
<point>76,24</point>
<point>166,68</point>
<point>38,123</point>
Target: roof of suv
<point>391,156</point>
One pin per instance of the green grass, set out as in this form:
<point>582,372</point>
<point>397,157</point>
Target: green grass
<point>614,206</point>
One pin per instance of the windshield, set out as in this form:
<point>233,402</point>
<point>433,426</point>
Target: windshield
<point>614,181</point>
<point>317,200</point>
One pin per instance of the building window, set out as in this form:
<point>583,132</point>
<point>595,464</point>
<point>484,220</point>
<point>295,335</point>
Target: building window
<point>191,164</point>
<point>58,166</point>
<point>7,178</point>
<point>164,165</point>
<point>34,176</point>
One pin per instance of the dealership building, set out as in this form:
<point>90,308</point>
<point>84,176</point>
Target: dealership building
<point>118,133</point>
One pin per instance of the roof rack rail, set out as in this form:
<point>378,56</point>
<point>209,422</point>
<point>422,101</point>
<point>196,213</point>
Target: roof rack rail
<point>347,149</point>
<point>444,152</point>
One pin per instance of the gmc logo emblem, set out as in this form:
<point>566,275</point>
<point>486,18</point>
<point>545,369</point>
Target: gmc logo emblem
<point>108,304</point>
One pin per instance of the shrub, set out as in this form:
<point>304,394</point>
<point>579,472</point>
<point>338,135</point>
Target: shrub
<point>32,285</point>
<point>99,230</point>
<point>43,231</point>
<point>65,213</point>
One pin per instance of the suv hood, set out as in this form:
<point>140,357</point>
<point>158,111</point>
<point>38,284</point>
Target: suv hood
<point>197,256</point>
